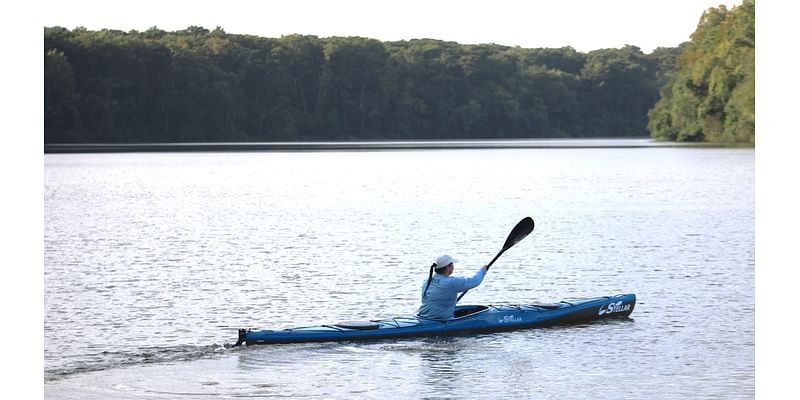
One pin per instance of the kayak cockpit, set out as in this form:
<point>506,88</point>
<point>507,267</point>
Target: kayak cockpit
<point>463,311</point>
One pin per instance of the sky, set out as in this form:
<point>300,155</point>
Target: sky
<point>585,25</point>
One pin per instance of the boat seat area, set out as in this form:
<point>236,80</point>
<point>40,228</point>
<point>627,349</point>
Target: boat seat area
<point>360,325</point>
<point>462,311</point>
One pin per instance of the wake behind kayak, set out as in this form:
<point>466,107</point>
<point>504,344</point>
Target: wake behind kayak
<point>469,319</point>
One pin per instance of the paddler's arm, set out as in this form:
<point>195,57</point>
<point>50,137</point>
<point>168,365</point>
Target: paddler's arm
<point>469,283</point>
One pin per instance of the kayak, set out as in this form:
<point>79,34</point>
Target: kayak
<point>469,319</point>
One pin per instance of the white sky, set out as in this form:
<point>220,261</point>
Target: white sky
<point>583,24</point>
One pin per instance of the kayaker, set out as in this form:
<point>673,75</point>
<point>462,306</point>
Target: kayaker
<point>440,291</point>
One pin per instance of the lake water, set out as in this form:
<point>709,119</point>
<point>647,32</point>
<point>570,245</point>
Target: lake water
<point>152,261</point>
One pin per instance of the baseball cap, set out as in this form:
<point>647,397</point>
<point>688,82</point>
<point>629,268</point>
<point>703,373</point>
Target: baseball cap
<point>444,260</point>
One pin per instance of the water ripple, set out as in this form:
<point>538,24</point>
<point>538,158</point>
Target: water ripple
<point>153,261</point>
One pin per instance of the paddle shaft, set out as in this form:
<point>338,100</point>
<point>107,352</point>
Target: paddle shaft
<point>520,231</point>
<point>495,258</point>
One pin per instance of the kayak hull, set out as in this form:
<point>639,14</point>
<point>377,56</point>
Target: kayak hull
<point>470,319</point>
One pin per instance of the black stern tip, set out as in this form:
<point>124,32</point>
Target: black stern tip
<point>242,338</point>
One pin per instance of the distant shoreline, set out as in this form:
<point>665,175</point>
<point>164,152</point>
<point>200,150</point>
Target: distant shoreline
<point>364,145</point>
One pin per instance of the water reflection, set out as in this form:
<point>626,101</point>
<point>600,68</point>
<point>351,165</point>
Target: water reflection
<point>441,362</point>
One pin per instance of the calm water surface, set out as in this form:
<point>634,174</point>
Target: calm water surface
<point>154,260</point>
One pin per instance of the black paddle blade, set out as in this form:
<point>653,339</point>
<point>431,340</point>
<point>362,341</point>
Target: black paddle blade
<point>519,232</point>
<point>523,229</point>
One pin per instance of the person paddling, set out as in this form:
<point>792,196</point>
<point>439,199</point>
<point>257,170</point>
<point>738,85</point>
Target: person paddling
<point>440,290</point>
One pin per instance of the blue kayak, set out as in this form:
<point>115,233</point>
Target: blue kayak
<point>468,319</point>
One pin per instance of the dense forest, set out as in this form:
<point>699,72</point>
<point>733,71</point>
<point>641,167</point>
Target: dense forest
<point>197,85</point>
<point>194,85</point>
<point>711,96</point>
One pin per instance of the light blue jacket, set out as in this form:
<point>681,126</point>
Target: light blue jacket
<point>439,301</point>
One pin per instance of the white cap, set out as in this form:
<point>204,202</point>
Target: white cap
<point>444,260</point>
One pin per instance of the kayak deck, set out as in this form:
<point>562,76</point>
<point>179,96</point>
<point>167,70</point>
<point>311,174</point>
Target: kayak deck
<point>468,319</point>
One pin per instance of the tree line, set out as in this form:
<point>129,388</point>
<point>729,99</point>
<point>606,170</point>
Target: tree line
<point>711,95</point>
<point>192,85</point>
<point>110,86</point>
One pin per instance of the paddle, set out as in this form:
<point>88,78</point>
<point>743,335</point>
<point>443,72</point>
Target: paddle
<point>519,232</point>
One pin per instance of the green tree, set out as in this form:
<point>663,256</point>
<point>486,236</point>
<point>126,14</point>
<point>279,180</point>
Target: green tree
<point>61,117</point>
<point>711,97</point>
<point>619,88</point>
